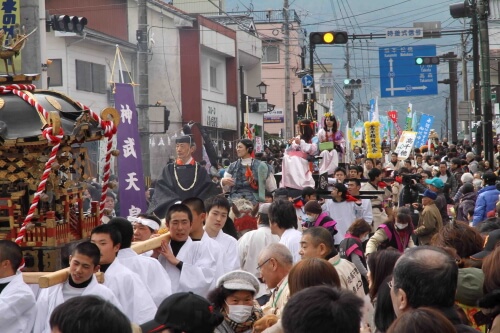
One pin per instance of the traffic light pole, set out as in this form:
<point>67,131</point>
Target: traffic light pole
<point>143,85</point>
<point>350,97</point>
<point>453,65</point>
<point>482,12</point>
<point>477,78</point>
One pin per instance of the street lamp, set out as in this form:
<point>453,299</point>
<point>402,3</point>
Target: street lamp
<point>262,89</point>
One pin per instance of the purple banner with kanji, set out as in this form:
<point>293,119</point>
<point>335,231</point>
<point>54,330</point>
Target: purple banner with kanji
<point>131,177</point>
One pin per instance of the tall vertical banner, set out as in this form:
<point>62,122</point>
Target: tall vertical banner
<point>11,15</point>
<point>424,128</point>
<point>393,115</point>
<point>357,134</point>
<point>408,117</point>
<point>130,174</point>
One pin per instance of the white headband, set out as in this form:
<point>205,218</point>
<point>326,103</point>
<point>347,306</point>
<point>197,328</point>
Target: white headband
<point>147,222</point>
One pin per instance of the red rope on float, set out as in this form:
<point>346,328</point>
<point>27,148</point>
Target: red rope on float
<point>109,130</point>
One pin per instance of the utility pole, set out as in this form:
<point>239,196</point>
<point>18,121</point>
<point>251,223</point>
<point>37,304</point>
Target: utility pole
<point>465,83</point>
<point>477,78</point>
<point>482,13</point>
<point>349,96</point>
<point>446,121</point>
<point>453,65</point>
<point>143,109</point>
<point>288,110</point>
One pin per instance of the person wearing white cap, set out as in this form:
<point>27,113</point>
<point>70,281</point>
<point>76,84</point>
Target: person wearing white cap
<point>251,243</point>
<point>234,298</point>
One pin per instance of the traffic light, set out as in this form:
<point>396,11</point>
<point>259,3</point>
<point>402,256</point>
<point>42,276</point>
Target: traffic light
<point>427,60</point>
<point>68,23</point>
<point>352,83</point>
<point>459,10</point>
<point>329,37</point>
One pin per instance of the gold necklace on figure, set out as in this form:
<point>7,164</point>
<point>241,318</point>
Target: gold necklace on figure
<point>195,177</point>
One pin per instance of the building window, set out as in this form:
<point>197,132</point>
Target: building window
<point>213,76</point>
<point>270,54</point>
<point>90,77</point>
<point>54,72</point>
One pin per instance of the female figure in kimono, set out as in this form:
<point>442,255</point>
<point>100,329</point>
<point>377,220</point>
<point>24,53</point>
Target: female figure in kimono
<point>331,133</point>
<point>297,161</point>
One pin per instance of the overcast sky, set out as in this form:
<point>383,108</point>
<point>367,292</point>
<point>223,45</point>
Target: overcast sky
<point>373,16</point>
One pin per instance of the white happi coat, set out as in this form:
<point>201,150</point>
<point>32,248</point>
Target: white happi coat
<point>151,273</point>
<point>198,268</point>
<point>229,247</point>
<point>215,249</point>
<point>17,306</point>
<point>291,239</point>
<point>50,298</point>
<point>131,292</point>
<point>249,247</point>
<point>344,213</point>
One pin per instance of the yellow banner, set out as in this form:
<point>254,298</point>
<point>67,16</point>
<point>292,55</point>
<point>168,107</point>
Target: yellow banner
<point>11,23</point>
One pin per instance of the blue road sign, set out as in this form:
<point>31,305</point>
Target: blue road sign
<point>307,80</point>
<point>401,77</point>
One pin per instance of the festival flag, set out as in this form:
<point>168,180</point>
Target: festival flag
<point>408,117</point>
<point>357,134</point>
<point>130,173</point>
<point>424,128</point>
<point>393,115</point>
<point>414,121</point>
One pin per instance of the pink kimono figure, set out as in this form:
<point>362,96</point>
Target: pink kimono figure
<point>297,161</point>
<point>330,133</point>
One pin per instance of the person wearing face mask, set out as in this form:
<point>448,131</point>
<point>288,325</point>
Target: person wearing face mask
<point>351,247</point>
<point>234,298</point>
<point>315,217</point>
<point>394,233</point>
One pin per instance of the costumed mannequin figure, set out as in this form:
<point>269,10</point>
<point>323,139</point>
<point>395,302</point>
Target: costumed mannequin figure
<point>297,168</point>
<point>247,177</point>
<point>331,133</point>
<point>182,179</point>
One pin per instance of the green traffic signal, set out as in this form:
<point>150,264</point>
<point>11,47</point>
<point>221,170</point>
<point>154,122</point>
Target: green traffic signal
<point>419,61</point>
<point>434,60</point>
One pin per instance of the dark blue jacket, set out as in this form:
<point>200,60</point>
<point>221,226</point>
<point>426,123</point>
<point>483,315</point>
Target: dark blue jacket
<point>486,201</point>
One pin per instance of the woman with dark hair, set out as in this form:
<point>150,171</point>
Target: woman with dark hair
<point>394,233</point>
<point>380,266</point>
<point>490,303</point>
<point>333,152</point>
<point>384,311</point>
<point>234,298</point>
<point>420,320</point>
<point>297,168</point>
<point>466,240</point>
<point>351,248</point>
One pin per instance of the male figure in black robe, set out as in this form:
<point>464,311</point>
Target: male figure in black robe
<point>183,179</point>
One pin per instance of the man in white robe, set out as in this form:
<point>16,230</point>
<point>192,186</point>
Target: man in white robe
<point>17,301</point>
<point>217,209</point>
<point>253,242</point>
<point>83,263</point>
<point>283,223</point>
<point>149,269</point>
<point>190,265</point>
<point>343,209</point>
<point>365,213</point>
<point>198,233</point>
<point>128,287</point>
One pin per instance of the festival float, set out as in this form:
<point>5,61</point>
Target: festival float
<point>44,165</point>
